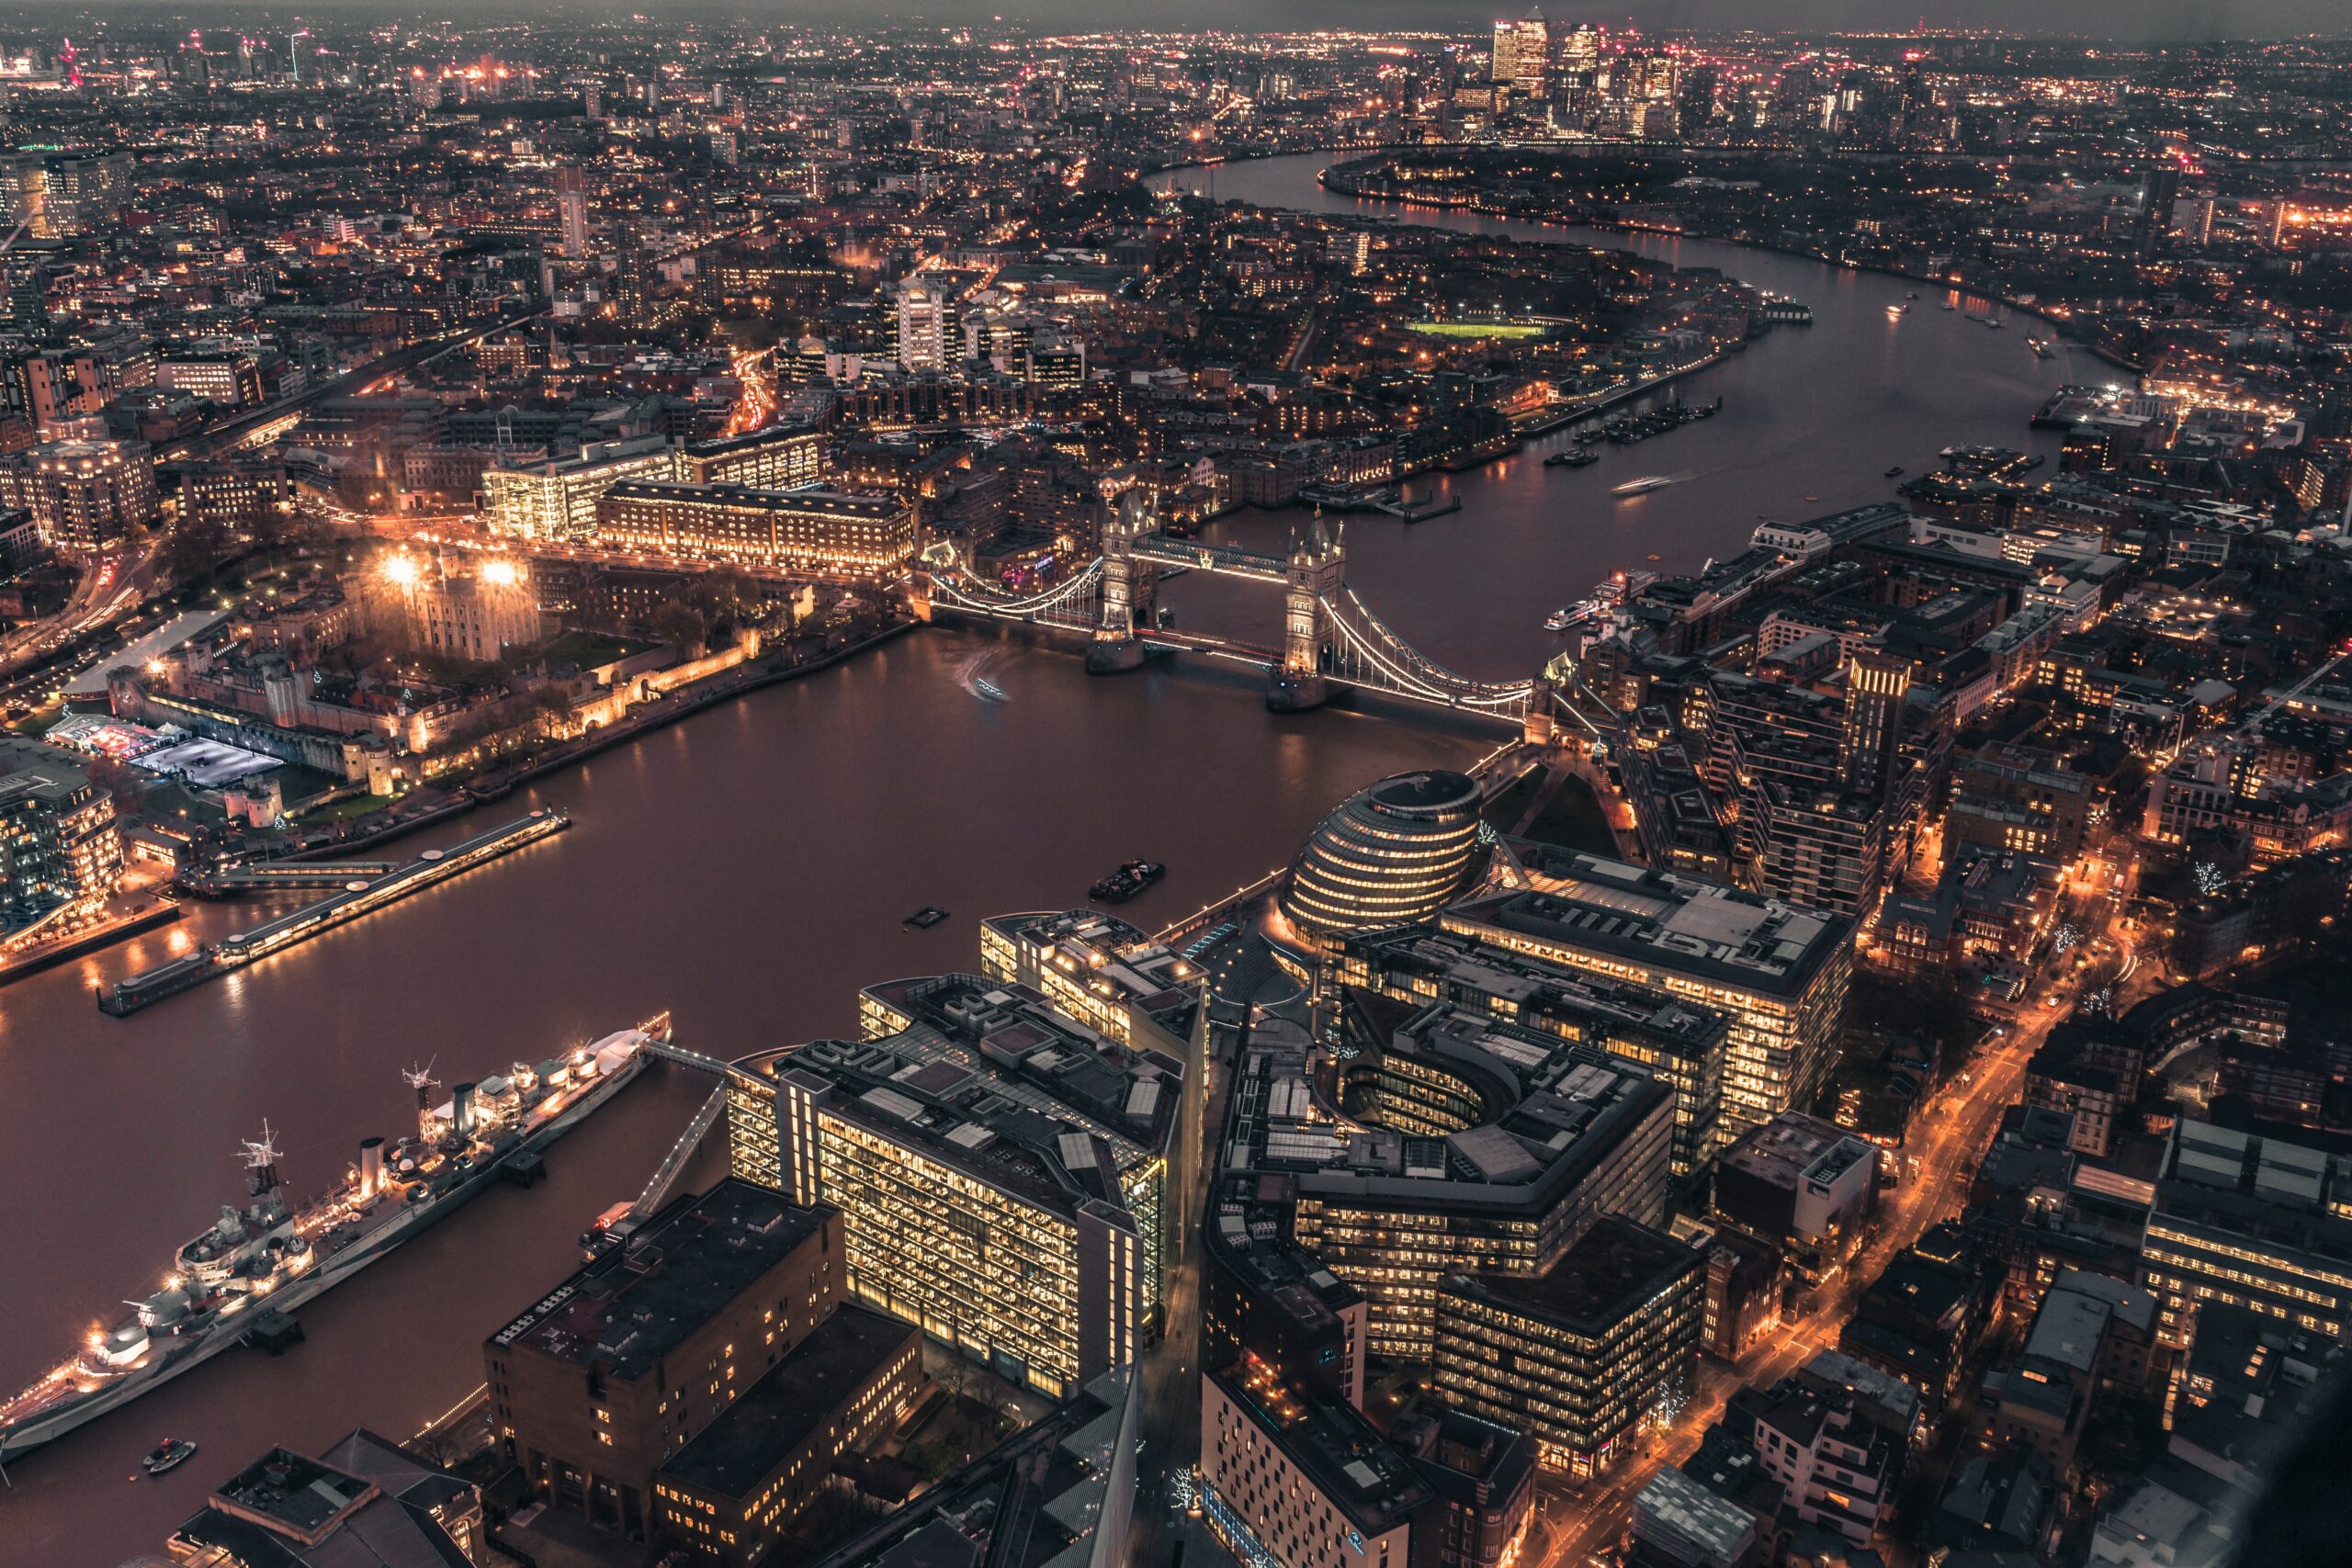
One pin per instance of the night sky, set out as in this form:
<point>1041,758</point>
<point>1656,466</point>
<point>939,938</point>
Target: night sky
<point>2134,19</point>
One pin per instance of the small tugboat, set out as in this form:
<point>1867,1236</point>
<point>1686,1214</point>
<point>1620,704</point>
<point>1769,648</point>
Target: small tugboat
<point>171,1452</point>
<point>1898,309</point>
<point>1126,882</point>
<point>1895,470</point>
<point>1576,459</point>
<point>922,919</point>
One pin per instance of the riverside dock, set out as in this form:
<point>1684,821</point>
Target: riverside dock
<point>366,889</point>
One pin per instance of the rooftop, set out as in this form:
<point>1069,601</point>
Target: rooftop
<point>1793,1149</point>
<point>1614,1269</point>
<point>768,1422</point>
<point>1342,1453</point>
<point>1680,924</point>
<point>638,1302</point>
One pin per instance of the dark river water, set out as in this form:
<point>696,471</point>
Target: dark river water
<point>749,870</point>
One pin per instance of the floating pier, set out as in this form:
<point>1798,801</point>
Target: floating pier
<point>361,895</point>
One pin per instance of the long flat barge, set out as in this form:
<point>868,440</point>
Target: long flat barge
<point>364,895</point>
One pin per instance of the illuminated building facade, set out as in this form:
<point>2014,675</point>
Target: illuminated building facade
<point>799,530</point>
<point>462,607</point>
<point>1583,1355</point>
<point>781,456</point>
<point>557,499</point>
<point>618,1369</point>
<point>1304,1482</point>
<point>59,844</point>
<point>731,1495</point>
<point>1680,1044</point>
<point>1778,973</point>
<point>1475,1147</point>
<point>87,496</point>
<point>1878,686</point>
<point>1003,1169</point>
<point>1521,53</point>
<point>1389,855</point>
<point>1101,971</point>
<point>2249,1221</point>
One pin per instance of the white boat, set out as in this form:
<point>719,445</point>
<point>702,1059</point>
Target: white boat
<point>265,1256</point>
<point>1641,486</point>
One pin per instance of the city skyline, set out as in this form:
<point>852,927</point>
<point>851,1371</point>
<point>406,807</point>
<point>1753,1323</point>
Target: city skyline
<point>1483,791</point>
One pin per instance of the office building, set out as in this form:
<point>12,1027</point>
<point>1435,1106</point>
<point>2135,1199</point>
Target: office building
<point>781,456</point>
<point>1521,53</point>
<point>1003,1171</point>
<point>731,1495</point>
<point>1102,972</point>
<point>1680,1043</point>
<point>60,845</point>
<point>87,496</point>
<point>1778,974</point>
<point>1483,1148</point>
<point>1297,1482</point>
<point>1388,855</point>
<point>228,381</point>
<point>556,499</point>
<point>617,1370</point>
<point>2249,1221</point>
<point>1582,1356</point>
<point>792,530</point>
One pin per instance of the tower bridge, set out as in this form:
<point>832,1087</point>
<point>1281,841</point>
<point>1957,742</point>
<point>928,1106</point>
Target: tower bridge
<point>1329,637</point>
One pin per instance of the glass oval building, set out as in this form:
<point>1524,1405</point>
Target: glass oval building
<point>1396,852</point>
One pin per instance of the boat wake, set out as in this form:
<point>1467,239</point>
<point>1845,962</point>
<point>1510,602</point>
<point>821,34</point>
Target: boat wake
<point>972,675</point>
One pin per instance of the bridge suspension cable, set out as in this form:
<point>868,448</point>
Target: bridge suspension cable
<point>1411,670</point>
<point>1051,599</point>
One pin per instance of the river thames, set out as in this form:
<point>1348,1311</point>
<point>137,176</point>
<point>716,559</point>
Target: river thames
<point>749,868</point>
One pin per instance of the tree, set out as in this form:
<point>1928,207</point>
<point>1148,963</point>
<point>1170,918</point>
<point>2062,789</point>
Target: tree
<point>196,551</point>
<point>682,627</point>
<point>125,783</point>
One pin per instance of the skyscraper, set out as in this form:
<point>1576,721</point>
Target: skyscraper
<point>1523,51</point>
<point>1877,683</point>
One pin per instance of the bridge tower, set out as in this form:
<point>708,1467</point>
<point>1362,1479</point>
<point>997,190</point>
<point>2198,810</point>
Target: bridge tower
<point>1317,566</point>
<point>1130,587</point>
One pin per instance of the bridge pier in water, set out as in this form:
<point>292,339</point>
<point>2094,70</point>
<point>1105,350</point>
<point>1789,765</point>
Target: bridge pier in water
<point>1314,571</point>
<point>1130,590</point>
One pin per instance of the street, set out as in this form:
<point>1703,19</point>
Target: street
<point>1951,1135</point>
